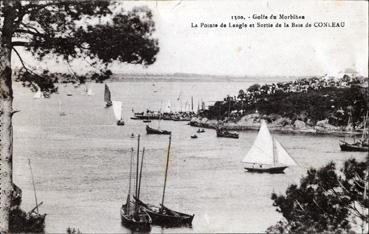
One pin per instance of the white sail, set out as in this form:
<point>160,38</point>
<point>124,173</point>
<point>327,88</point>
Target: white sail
<point>168,107</point>
<point>38,94</point>
<point>89,92</point>
<point>117,109</point>
<point>261,151</point>
<point>282,157</point>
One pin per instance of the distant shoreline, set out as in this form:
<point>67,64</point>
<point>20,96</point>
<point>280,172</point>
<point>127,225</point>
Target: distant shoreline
<point>313,130</point>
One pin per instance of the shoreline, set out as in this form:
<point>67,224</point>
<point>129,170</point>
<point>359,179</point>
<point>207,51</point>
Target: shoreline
<point>314,130</point>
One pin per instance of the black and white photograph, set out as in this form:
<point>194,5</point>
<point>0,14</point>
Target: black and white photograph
<point>184,116</point>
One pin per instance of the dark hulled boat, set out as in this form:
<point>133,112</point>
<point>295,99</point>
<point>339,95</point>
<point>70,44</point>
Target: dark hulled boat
<point>132,215</point>
<point>21,221</point>
<point>31,222</point>
<point>162,215</point>
<point>359,146</point>
<point>157,131</point>
<point>137,220</point>
<point>271,170</point>
<point>227,134</point>
<point>267,155</point>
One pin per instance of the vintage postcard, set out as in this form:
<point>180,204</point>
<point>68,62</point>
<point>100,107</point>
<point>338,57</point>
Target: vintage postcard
<point>184,116</point>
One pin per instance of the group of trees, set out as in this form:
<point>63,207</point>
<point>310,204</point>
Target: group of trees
<point>338,105</point>
<point>326,200</point>
<point>100,31</point>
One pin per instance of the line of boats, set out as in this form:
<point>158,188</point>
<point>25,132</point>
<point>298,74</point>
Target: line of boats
<point>138,215</point>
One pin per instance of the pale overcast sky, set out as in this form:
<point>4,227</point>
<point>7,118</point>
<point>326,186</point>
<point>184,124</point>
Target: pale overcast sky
<point>254,51</point>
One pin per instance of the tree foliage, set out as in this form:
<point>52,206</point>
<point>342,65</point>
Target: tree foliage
<point>99,30</point>
<point>326,200</point>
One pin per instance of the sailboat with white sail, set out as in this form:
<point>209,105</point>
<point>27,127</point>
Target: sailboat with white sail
<point>118,112</point>
<point>61,112</point>
<point>38,94</point>
<point>267,154</point>
<point>88,91</point>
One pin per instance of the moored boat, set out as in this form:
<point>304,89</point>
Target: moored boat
<point>358,146</point>
<point>361,145</point>
<point>150,130</point>
<point>267,154</point>
<point>166,217</point>
<point>162,215</point>
<point>21,221</point>
<point>227,134</point>
<point>132,215</point>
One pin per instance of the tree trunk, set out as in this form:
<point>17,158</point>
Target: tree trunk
<point>6,112</point>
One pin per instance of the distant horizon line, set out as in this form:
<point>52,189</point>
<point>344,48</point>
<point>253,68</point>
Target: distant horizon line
<point>231,76</point>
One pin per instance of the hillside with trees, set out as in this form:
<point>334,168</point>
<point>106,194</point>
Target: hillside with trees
<point>337,102</point>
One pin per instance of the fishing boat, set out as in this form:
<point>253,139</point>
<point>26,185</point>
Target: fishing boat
<point>107,96</point>
<point>132,215</point>
<point>21,221</point>
<point>61,113</point>
<point>227,134</point>
<point>267,154</point>
<point>38,94</point>
<point>150,130</point>
<point>361,145</point>
<point>161,215</point>
<point>118,112</point>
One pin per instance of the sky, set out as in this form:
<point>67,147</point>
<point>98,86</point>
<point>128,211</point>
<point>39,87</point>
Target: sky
<point>259,51</point>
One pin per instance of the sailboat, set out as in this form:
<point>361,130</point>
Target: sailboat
<point>361,145</point>
<point>107,96</point>
<point>88,91</point>
<point>162,215</point>
<point>117,109</point>
<point>267,154</point>
<point>61,113</point>
<point>132,216</point>
<point>150,130</point>
<point>38,94</point>
<point>21,221</point>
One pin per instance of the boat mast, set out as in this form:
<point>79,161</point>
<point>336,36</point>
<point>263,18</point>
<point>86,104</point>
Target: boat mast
<point>275,156</point>
<point>364,135</point>
<point>191,103</point>
<point>138,159</point>
<point>130,178</point>
<point>139,182</point>
<point>33,183</point>
<point>166,170</point>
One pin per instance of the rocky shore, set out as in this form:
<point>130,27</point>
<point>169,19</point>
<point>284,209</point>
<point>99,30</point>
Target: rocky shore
<point>284,125</point>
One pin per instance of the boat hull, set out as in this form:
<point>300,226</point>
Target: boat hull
<point>120,123</point>
<point>156,131</point>
<point>140,222</point>
<point>271,170</point>
<point>164,216</point>
<point>353,147</point>
<point>33,223</point>
<point>227,134</point>
<point>170,220</point>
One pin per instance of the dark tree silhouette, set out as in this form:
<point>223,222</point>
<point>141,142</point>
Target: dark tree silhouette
<point>325,201</point>
<point>100,30</point>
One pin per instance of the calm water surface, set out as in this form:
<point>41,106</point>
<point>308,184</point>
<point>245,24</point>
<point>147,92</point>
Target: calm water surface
<point>81,160</point>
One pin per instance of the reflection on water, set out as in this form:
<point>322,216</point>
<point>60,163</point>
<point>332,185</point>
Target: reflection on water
<point>81,160</point>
